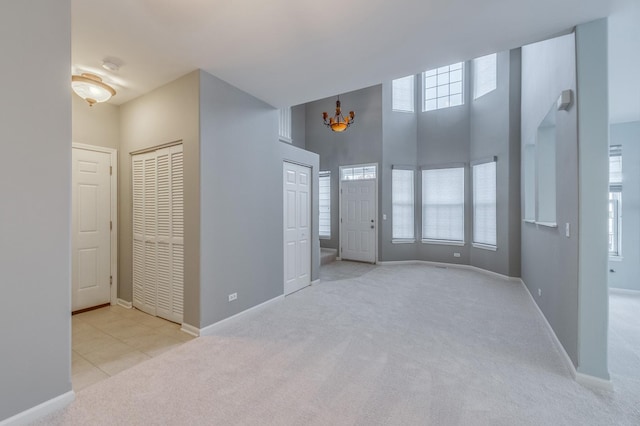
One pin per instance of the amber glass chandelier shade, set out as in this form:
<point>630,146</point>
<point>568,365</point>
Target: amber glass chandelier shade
<point>338,123</point>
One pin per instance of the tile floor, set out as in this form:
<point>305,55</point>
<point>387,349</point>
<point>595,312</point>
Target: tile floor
<point>109,340</point>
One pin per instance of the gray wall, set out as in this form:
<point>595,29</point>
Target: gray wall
<point>593,166</point>
<point>241,201</point>
<point>627,269</point>
<point>35,218</point>
<point>549,259</point>
<point>97,125</point>
<point>298,132</point>
<point>360,144</point>
<point>495,131</point>
<point>166,114</point>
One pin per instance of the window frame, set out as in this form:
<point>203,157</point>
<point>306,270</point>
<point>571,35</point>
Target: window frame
<point>615,200</point>
<point>403,240</point>
<point>474,243</point>
<point>479,65</point>
<point>443,241</point>
<point>412,94</point>
<point>437,73</point>
<point>284,125</point>
<point>324,175</point>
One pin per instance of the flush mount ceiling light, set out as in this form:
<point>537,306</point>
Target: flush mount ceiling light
<point>338,123</point>
<point>91,88</point>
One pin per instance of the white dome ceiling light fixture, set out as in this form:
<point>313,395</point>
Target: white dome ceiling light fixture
<point>91,88</point>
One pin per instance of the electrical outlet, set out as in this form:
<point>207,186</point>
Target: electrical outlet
<point>456,254</point>
<point>384,216</point>
<point>233,296</point>
<point>539,292</point>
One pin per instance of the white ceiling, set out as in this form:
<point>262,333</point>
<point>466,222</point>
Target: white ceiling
<point>291,52</point>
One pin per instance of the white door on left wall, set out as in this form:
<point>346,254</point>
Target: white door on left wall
<point>91,224</point>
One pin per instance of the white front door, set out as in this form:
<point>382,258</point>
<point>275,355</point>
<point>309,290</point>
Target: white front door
<point>297,227</point>
<point>358,226</point>
<point>91,223</point>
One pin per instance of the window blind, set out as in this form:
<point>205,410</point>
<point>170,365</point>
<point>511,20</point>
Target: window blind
<point>443,205</point>
<point>402,200</point>
<point>484,75</point>
<point>285,125</point>
<point>484,204</point>
<point>403,94</point>
<point>324,218</point>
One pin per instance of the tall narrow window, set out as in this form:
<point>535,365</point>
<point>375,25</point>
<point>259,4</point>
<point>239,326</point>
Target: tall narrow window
<point>443,205</point>
<point>484,75</point>
<point>285,125</point>
<point>403,94</point>
<point>443,87</point>
<point>484,205</point>
<point>402,201</point>
<point>615,200</point>
<point>324,218</point>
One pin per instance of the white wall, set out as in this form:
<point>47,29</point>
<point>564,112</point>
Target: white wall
<point>35,211</point>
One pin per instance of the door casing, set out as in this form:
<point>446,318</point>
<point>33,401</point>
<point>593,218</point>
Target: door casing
<point>113,213</point>
<point>375,206</point>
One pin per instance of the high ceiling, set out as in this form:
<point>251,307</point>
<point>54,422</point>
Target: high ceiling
<point>290,52</point>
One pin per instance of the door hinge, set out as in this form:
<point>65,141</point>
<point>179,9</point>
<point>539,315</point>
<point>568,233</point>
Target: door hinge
<point>110,225</point>
<point>340,220</point>
<point>110,170</point>
<point>111,280</point>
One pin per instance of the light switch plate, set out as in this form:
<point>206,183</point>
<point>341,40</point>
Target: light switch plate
<point>567,229</point>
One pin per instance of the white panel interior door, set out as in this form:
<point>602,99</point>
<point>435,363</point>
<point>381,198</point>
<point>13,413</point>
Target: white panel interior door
<point>358,230</point>
<point>158,232</point>
<point>91,217</point>
<point>297,227</point>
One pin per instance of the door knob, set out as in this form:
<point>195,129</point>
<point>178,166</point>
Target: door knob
<point>372,226</point>
<point>371,220</point>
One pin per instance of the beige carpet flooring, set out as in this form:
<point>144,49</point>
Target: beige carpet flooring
<point>386,345</point>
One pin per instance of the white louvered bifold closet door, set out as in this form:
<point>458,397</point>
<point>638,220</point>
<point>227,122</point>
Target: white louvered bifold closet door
<point>158,232</point>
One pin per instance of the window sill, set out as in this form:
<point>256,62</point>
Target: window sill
<point>484,246</point>
<point>529,221</point>
<point>444,242</point>
<point>403,241</point>
<point>286,140</point>
<point>548,224</point>
<point>325,238</point>
<point>615,258</point>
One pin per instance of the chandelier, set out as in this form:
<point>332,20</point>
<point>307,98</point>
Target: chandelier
<point>338,123</point>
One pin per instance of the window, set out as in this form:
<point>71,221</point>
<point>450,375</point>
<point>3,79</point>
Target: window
<point>402,211</point>
<point>443,87</point>
<point>357,173</point>
<point>484,205</point>
<point>324,218</point>
<point>615,200</point>
<point>285,125</point>
<point>546,170</point>
<point>443,205</point>
<point>403,94</point>
<point>484,75</point>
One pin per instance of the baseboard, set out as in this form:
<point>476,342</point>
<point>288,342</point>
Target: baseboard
<point>624,292</point>
<point>41,410</point>
<point>450,265</point>
<point>565,356</point>
<point>125,304</point>
<point>211,329</point>
<point>314,282</point>
<point>190,329</point>
<point>338,258</point>
<point>593,382</point>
